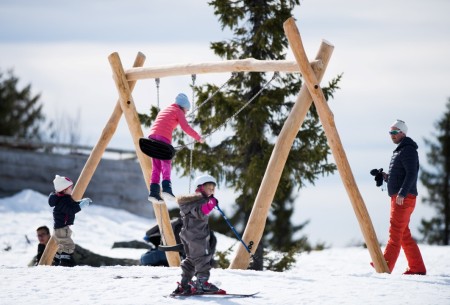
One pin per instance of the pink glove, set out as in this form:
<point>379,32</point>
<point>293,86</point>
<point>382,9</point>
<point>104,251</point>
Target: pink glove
<point>209,206</point>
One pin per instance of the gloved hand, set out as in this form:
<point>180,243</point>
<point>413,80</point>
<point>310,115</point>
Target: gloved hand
<point>379,177</point>
<point>85,202</point>
<point>214,200</point>
<point>209,206</point>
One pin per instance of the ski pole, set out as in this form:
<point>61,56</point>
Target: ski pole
<point>233,229</point>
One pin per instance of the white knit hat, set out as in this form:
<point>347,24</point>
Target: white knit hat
<point>401,125</point>
<point>61,183</point>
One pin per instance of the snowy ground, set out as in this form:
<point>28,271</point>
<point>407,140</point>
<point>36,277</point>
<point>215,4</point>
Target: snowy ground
<point>333,276</point>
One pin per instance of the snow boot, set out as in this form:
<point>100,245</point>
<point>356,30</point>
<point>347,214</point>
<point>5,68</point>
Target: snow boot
<point>167,190</point>
<point>203,286</point>
<point>56,259</point>
<point>66,260</point>
<point>409,272</point>
<point>154,196</point>
<point>184,288</point>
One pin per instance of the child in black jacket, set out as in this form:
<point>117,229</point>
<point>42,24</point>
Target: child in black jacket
<point>64,210</point>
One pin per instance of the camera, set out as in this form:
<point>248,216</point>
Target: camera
<point>378,173</point>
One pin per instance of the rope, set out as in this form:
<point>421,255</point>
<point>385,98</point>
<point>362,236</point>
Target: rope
<point>191,115</point>
<point>275,75</point>
<point>214,93</point>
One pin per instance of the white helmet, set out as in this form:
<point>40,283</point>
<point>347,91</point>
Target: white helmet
<point>200,180</point>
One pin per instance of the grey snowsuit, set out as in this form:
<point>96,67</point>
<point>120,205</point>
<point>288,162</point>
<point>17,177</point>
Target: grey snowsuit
<point>195,235</point>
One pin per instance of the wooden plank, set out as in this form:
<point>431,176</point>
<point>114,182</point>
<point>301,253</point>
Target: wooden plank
<point>131,116</point>
<point>327,119</point>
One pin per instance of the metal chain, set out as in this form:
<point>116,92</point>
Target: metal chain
<point>161,227</point>
<point>194,77</point>
<point>157,92</point>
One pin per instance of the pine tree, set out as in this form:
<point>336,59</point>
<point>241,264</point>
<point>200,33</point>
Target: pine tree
<point>437,181</point>
<point>247,140</point>
<point>20,112</point>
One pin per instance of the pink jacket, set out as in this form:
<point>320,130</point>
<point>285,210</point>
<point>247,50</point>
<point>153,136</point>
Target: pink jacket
<point>168,119</point>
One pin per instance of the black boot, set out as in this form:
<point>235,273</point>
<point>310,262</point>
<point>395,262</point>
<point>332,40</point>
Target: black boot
<point>56,259</point>
<point>154,196</point>
<point>167,190</point>
<point>66,260</point>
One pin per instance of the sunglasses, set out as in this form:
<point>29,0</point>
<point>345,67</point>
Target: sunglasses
<point>394,132</point>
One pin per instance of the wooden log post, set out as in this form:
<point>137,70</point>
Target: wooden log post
<point>257,221</point>
<point>92,162</point>
<point>49,252</point>
<point>131,116</point>
<point>105,138</point>
<point>327,119</point>
<point>239,65</point>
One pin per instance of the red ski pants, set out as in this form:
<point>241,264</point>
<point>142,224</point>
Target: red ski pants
<point>400,236</point>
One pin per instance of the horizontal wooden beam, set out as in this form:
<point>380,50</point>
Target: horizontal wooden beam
<point>241,65</point>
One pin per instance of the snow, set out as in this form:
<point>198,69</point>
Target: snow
<point>331,276</point>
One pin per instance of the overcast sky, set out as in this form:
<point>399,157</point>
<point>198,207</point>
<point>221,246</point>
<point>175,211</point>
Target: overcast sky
<point>393,56</point>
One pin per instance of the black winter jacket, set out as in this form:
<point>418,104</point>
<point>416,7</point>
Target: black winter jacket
<point>404,169</point>
<point>64,209</point>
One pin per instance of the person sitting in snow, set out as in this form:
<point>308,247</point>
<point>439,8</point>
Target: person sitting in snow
<point>156,256</point>
<point>43,235</point>
<point>195,236</point>
<point>64,210</point>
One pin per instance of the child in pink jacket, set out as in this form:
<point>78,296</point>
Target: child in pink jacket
<point>161,130</point>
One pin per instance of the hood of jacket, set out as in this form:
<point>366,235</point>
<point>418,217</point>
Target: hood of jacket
<point>190,198</point>
<point>407,141</point>
<point>55,198</point>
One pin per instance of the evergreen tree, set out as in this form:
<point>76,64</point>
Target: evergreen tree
<point>437,181</point>
<point>20,112</point>
<point>247,140</point>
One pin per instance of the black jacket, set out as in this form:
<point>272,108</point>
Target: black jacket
<point>64,209</point>
<point>404,169</point>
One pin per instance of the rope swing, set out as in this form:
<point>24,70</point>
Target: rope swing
<point>275,75</point>
<point>164,151</point>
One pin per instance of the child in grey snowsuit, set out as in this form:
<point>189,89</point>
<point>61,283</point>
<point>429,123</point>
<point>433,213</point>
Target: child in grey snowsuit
<point>195,237</point>
<point>64,210</point>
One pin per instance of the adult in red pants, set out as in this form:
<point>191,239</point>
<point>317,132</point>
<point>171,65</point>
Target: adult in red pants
<point>402,188</point>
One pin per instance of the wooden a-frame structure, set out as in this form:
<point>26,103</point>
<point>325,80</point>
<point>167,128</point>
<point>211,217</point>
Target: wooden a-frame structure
<point>312,73</point>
